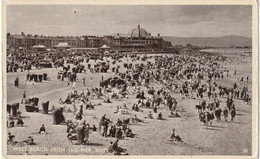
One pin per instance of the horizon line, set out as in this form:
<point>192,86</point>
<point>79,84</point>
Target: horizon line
<point>114,34</point>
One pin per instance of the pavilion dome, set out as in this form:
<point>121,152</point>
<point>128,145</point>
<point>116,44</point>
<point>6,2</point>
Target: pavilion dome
<point>138,33</point>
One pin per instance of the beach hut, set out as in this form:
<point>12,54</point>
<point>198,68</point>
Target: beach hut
<point>248,53</point>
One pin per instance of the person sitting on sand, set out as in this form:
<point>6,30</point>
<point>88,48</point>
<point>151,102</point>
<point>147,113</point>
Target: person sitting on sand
<point>150,116</point>
<point>11,124</point>
<point>175,137</point>
<point>147,104</point>
<point>19,122</point>
<point>160,117</point>
<point>94,128</point>
<point>135,119</point>
<point>29,141</point>
<point>10,138</point>
<point>119,133</point>
<point>119,122</point>
<point>124,106</point>
<point>53,108</point>
<point>107,100</point>
<point>42,129</point>
<point>90,106</point>
<point>115,95</point>
<point>80,113</point>
<point>174,114</point>
<point>114,148</point>
<point>68,100</point>
<point>19,114</point>
<point>60,101</point>
<point>72,134</point>
<point>117,109</point>
<point>129,133</point>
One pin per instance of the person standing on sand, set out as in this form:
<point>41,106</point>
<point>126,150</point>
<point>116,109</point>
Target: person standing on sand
<point>218,113</point>
<point>84,79</point>
<point>16,82</point>
<point>73,85</point>
<point>24,96</point>
<point>233,114</point>
<point>33,85</point>
<point>225,112</point>
<point>80,132</point>
<point>86,134</point>
<point>155,112</point>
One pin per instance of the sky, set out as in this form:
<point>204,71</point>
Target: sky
<point>99,20</point>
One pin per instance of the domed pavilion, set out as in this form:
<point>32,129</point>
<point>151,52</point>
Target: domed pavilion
<point>138,39</point>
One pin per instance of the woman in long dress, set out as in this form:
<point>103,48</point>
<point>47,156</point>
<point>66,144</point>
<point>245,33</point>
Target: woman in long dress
<point>86,134</point>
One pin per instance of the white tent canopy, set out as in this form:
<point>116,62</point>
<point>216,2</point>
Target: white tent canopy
<point>63,45</point>
<point>105,47</point>
<point>39,47</point>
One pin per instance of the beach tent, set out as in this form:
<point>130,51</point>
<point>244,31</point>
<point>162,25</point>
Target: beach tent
<point>105,47</point>
<point>62,46</point>
<point>39,48</point>
<point>12,49</point>
<point>21,48</point>
<point>10,55</point>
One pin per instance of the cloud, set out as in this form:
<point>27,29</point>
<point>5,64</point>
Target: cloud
<point>101,19</point>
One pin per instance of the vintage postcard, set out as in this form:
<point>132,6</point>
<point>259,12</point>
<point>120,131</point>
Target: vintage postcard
<point>139,78</point>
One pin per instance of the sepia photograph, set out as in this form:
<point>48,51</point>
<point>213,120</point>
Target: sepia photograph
<point>118,79</point>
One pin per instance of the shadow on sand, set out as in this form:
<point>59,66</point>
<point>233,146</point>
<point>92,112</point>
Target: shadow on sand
<point>239,122</point>
<point>211,128</point>
<point>214,126</point>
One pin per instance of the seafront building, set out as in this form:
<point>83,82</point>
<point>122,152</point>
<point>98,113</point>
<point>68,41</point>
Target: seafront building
<point>137,39</point>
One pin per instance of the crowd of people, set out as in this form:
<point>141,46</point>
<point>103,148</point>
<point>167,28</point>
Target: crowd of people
<point>155,82</point>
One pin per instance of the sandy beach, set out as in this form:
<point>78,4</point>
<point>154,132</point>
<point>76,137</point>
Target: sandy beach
<point>223,138</point>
